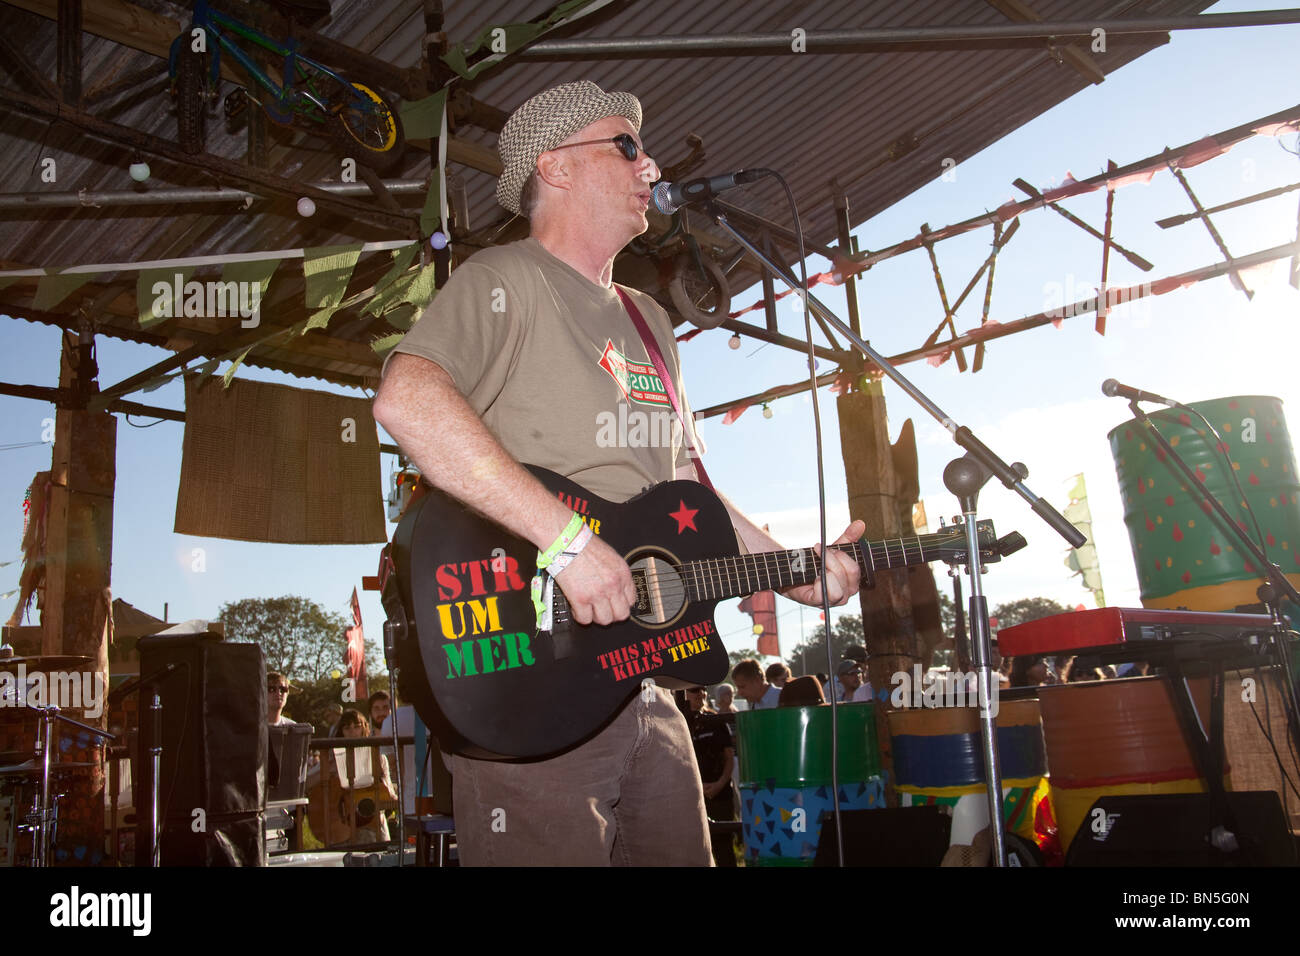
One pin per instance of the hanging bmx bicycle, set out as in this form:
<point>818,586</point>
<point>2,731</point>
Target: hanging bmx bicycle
<point>309,96</point>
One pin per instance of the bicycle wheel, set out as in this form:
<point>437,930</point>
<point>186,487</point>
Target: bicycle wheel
<point>191,100</point>
<point>368,129</point>
<point>702,300</point>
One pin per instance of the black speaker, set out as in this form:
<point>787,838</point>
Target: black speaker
<point>895,836</point>
<point>214,752</point>
<point>1173,829</point>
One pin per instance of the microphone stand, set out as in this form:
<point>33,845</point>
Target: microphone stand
<point>390,656</point>
<point>150,741</point>
<point>976,450</point>
<point>1276,585</point>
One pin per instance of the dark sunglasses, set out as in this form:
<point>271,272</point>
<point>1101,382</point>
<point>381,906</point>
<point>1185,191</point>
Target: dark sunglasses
<point>624,141</point>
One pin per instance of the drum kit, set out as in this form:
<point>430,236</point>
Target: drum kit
<point>34,777</point>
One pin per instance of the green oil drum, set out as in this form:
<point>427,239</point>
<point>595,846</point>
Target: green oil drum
<point>785,777</point>
<point>1185,558</point>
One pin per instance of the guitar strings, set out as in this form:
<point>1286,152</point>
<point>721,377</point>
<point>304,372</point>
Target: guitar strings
<point>711,571</point>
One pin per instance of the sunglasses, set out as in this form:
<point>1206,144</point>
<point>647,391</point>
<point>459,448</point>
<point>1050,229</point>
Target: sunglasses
<point>624,141</point>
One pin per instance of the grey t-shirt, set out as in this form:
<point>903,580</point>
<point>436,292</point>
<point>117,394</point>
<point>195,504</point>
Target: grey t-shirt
<point>554,366</point>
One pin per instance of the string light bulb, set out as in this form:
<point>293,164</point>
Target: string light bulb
<point>139,169</point>
<point>767,411</point>
<point>734,341</point>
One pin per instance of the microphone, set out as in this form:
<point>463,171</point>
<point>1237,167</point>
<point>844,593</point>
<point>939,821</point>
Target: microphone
<point>1113,388</point>
<point>669,197</point>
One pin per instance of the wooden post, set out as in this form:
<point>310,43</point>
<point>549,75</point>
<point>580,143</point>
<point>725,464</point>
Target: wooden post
<point>79,546</point>
<point>874,497</point>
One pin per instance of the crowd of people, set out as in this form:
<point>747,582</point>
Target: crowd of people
<point>364,771</point>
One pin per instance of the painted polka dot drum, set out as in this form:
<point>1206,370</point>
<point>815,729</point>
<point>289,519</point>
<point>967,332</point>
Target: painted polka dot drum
<point>1185,557</point>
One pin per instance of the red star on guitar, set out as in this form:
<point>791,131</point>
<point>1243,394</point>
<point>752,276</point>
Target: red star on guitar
<point>685,517</point>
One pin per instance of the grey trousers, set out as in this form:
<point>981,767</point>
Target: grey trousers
<point>630,796</point>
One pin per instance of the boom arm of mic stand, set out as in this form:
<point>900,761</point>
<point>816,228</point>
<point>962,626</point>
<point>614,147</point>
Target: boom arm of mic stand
<point>960,433</point>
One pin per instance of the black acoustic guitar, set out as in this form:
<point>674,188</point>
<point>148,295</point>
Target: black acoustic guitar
<point>489,684</point>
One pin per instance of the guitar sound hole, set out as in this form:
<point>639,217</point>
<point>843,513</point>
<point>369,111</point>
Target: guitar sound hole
<point>660,591</point>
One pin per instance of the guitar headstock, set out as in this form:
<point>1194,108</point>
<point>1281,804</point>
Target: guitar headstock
<point>949,543</point>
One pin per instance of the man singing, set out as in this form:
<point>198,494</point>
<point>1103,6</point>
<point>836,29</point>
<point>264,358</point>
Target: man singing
<point>505,366</point>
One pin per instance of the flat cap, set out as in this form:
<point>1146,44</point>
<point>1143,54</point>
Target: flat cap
<point>546,121</point>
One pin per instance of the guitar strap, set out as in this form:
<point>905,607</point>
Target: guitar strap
<point>657,360</point>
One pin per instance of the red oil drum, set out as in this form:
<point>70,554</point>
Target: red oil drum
<point>1116,737</point>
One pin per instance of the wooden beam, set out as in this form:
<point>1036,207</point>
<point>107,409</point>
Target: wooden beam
<point>148,32</point>
<point>20,67</point>
<point>236,172</point>
<point>69,51</point>
<point>1020,12</point>
<point>78,559</point>
<point>121,22</point>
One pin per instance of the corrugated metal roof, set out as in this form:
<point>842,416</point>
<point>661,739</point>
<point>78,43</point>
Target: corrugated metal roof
<point>815,117</point>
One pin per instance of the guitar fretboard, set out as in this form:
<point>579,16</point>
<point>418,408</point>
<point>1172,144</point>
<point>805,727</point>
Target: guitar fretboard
<point>718,578</point>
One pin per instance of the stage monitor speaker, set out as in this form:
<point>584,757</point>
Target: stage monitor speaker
<point>214,752</point>
<point>1172,829</point>
<point>896,836</point>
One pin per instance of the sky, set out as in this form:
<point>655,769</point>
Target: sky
<point>1037,399</point>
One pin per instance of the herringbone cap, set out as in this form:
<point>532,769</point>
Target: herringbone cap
<point>546,121</point>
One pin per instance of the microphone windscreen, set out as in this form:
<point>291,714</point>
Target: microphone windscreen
<point>661,200</point>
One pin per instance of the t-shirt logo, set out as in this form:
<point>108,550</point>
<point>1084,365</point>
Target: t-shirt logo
<point>638,381</point>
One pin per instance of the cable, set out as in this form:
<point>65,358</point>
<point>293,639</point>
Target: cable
<point>821,504</point>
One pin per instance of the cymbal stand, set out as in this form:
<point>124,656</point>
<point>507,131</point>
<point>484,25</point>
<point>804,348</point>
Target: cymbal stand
<point>43,817</point>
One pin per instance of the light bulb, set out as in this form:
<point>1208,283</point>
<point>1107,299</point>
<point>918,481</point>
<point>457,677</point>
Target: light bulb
<point>306,207</point>
<point>438,240</point>
<point>767,412</point>
<point>139,171</point>
<point>734,341</point>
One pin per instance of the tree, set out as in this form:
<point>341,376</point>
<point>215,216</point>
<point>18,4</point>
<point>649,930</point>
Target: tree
<point>300,638</point>
<point>315,702</point>
<point>810,656</point>
<point>1012,613</point>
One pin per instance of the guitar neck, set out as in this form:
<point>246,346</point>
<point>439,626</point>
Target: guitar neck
<point>720,578</point>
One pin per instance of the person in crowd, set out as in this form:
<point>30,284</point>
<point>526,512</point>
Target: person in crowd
<point>715,753</point>
<point>369,802</point>
<point>803,691</point>
<point>380,705</point>
<point>854,689</point>
<point>1031,670</point>
<point>777,674</point>
<point>726,699</point>
<point>753,686</point>
<point>277,696</point>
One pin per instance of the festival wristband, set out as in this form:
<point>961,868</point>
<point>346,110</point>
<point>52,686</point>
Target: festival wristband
<point>565,557</point>
<point>561,544</point>
<point>552,561</point>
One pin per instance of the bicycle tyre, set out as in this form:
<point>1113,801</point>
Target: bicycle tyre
<point>373,138</point>
<point>703,301</point>
<point>191,100</point>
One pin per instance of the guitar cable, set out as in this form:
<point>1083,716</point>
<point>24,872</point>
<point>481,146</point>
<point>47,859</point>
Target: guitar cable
<point>802,292</point>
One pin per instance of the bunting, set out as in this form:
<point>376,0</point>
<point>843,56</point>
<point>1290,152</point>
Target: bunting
<point>1083,560</point>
